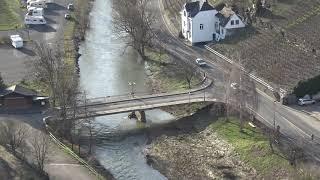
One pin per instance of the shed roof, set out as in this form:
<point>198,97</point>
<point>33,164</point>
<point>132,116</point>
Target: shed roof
<point>19,90</point>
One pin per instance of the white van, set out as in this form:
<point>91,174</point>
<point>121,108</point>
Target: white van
<point>34,11</point>
<point>38,4</point>
<point>34,20</point>
<point>16,41</point>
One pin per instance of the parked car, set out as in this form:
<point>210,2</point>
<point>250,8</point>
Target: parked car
<point>16,41</point>
<point>34,20</point>
<point>70,7</point>
<point>303,102</point>
<point>201,62</point>
<point>67,16</point>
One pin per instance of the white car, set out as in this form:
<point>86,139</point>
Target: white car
<point>201,62</point>
<point>303,102</point>
<point>70,7</point>
<point>234,86</point>
<point>16,41</point>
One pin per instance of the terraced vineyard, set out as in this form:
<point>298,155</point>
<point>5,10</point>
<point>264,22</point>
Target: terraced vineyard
<point>297,53</point>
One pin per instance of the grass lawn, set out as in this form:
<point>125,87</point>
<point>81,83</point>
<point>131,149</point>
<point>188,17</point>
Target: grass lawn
<point>168,78</point>
<point>9,16</point>
<point>253,148</point>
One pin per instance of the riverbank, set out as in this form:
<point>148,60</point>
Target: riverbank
<point>205,146</point>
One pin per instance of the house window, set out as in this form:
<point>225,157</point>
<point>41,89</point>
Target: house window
<point>232,22</point>
<point>201,26</point>
<point>237,22</point>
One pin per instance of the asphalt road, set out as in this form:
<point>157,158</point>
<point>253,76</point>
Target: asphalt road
<point>294,124</point>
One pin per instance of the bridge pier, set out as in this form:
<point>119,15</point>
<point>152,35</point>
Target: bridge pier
<point>143,116</point>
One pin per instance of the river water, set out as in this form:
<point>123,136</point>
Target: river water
<point>105,70</point>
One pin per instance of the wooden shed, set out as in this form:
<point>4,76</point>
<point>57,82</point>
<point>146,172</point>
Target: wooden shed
<point>17,97</point>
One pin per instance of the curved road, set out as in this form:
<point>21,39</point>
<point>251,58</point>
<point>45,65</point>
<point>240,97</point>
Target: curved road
<point>293,124</point>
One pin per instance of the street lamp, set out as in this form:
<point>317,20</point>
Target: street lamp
<point>132,84</point>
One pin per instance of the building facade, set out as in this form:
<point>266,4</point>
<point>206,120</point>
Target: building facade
<point>200,22</point>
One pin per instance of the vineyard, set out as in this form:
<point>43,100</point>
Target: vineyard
<point>283,49</point>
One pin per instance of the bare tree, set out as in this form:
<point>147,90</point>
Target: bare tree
<point>187,71</point>
<point>40,149</point>
<point>132,20</point>
<point>46,67</point>
<point>13,135</point>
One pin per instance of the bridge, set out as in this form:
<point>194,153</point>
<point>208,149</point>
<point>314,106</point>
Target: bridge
<point>139,102</point>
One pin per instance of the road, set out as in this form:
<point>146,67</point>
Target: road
<point>292,123</point>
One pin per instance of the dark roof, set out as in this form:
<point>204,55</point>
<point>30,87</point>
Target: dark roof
<point>222,19</point>
<point>194,7</point>
<point>206,6</point>
<point>19,90</point>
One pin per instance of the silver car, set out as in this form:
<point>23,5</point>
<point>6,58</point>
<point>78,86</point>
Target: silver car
<point>303,102</point>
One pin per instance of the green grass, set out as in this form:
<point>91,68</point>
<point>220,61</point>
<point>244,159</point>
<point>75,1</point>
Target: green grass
<point>9,15</point>
<point>253,148</point>
<point>168,79</point>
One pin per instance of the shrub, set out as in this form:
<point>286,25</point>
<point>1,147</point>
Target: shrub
<point>311,86</point>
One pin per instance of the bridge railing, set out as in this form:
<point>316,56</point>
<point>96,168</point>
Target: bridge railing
<point>205,83</point>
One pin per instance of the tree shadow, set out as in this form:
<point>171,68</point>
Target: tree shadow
<point>56,7</point>
<point>268,14</point>
<point>28,51</point>
<point>42,28</point>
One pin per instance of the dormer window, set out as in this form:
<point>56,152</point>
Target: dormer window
<point>232,22</point>
<point>201,26</point>
<point>237,22</point>
<point>184,13</point>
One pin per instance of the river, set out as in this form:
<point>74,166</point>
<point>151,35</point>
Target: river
<point>105,70</point>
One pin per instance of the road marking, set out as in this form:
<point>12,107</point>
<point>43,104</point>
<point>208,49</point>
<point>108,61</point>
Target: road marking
<point>62,164</point>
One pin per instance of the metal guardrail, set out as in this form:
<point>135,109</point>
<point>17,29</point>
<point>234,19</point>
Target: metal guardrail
<point>140,96</point>
<point>69,151</point>
<point>252,76</point>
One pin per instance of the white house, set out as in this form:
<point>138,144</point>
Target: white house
<point>201,22</point>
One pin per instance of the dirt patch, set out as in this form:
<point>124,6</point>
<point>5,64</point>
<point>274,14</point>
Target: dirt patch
<point>198,156</point>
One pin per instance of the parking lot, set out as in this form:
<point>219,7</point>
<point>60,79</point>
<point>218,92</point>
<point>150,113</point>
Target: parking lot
<point>14,63</point>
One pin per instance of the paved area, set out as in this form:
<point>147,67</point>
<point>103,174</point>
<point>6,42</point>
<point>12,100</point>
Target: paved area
<point>60,166</point>
<point>14,63</point>
<point>311,110</point>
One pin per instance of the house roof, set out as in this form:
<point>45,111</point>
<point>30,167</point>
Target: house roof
<point>19,90</point>
<point>224,16</point>
<point>193,8</point>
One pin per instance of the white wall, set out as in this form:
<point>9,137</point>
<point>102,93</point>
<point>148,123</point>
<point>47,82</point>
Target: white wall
<point>233,18</point>
<point>207,18</point>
